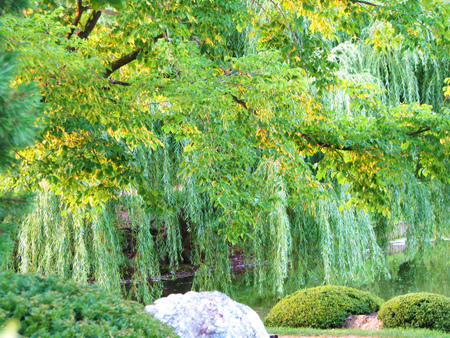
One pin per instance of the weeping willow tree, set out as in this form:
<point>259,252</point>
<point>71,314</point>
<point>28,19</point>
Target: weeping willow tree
<point>401,76</point>
<point>398,76</point>
<point>298,132</point>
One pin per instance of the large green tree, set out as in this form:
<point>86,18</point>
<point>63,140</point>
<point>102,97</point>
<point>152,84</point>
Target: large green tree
<point>297,130</point>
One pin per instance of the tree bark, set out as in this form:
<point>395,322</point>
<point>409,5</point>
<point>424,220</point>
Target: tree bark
<point>90,24</point>
<point>76,20</point>
<point>126,59</point>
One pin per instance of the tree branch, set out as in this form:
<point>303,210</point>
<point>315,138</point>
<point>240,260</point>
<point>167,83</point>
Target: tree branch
<point>122,83</point>
<point>22,42</point>
<point>242,103</point>
<point>287,22</point>
<point>419,131</point>
<point>90,24</point>
<point>330,146</point>
<point>28,162</point>
<point>76,20</point>
<point>106,11</point>
<point>126,59</point>
<point>363,3</point>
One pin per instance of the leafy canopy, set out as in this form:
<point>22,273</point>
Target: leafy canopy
<point>107,74</point>
<point>236,98</point>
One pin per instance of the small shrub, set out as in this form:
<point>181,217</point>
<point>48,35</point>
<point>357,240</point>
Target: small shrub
<point>417,310</point>
<point>55,307</point>
<point>321,307</point>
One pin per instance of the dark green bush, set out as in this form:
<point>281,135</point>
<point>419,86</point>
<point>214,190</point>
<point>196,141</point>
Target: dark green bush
<point>55,307</point>
<point>321,307</point>
<point>417,310</point>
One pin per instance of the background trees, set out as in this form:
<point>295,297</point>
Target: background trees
<point>284,128</point>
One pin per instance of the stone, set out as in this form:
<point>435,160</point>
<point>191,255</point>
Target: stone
<point>363,322</point>
<point>207,314</point>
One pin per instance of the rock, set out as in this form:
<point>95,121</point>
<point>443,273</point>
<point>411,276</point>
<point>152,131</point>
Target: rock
<point>207,314</point>
<point>363,322</point>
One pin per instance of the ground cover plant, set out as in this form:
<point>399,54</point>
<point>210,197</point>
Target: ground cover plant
<point>417,310</point>
<point>321,307</point>
<point>55,307</point>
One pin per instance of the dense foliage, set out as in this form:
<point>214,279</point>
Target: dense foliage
<point>298,131</point>
<point>417,310</point>
<point>55,307</point>
<point>321,307</point>
<point>20,111</point>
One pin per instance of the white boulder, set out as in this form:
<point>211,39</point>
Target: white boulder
<point>207,314</point>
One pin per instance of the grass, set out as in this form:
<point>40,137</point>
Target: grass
<point>384,333</point>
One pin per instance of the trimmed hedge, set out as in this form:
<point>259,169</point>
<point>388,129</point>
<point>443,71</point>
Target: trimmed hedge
<point>55,307</point>
<point>417,310</point>
<point>321,307</point>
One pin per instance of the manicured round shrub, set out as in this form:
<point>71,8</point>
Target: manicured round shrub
<point>417,310</point>
<point>55,307</point>
<point>321,307</point>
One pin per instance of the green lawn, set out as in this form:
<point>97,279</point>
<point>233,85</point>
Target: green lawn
<point>385,333</point>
